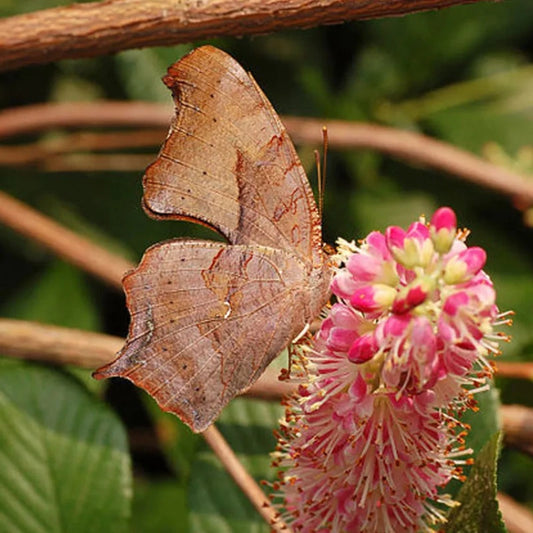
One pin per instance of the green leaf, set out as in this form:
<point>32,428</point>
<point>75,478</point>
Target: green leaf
<point>159,507</point>
<point>478,512</point>
<point>64,465</point>
<point>141,72</point>
<point>484,422</point>
<point>377,212</point>
<point>59,296</point>
<point>426,47</point>
<point>178,442</point>
<point>473,126</point>
<point>217,504</point>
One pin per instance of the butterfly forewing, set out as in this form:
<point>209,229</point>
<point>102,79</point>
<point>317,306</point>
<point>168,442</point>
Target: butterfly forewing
<point>206,320</point>
<point>236,166</point>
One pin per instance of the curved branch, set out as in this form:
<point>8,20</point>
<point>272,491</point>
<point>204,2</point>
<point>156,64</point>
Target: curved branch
<point>65,243</point>
<point>57,345</point>
<point>414,147</point>
<point>517,517</point>
<point>517,421</point>
<point>247,484</point>
<point>38,117</point>
<point>96,28</point>
<point>398,143</point>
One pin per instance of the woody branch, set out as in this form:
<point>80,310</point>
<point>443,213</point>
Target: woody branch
<point>96,28</point>
<point>401,144</point>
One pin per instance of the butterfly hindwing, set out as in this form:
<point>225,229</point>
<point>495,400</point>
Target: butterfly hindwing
<point>206,319</point>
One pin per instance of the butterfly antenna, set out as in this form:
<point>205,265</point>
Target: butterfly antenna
<point>319,181</point>
<point>321,170</point>
<point>322,178</point>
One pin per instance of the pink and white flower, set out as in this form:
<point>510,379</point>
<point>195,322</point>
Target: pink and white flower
<point>371,438</point>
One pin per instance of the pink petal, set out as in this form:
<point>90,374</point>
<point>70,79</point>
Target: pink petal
<point>395,237</point>
<point>343,284</point>
<point>444,218</point>
<point>364,267</point>
<point>371,298</point>
<point>363,349</point>
<point>377,245</point>
<point>341,339</point>
<point>417,231</point>
<point>358,388</point>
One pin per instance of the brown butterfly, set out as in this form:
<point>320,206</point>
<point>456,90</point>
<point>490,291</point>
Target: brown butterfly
<point>208,317</point>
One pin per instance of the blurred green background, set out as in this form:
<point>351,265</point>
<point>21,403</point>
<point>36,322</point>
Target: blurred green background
<point>463,75</point>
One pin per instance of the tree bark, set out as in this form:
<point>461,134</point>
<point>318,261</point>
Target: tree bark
<point>96,28</point>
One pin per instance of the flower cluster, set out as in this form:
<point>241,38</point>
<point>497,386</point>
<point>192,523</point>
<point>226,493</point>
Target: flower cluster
<point>373,433</point>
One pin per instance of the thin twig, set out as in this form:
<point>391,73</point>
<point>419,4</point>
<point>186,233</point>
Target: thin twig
<point>91,29</point>
<point>243,479</point>
<point>517,517</point>
<point>416,148</point>
<point>65,243</point>
<point>517,369</point>
<point>518,427</point>
<point>96,162</point>
<point>38,117</point>
<point>49,161</point>
<point>110,268</point>
<point>83,141</point>
<point>57,345</point>
<point>75,149</point>
<point>341,135</point>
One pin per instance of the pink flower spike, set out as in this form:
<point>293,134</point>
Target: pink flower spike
<point>371,439</point>
<point>464,265</point>
<point>363,349</point>
<point>443,228</point>
<point>370,298</point>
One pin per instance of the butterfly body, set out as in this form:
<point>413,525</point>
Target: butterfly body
<point>208,317</point>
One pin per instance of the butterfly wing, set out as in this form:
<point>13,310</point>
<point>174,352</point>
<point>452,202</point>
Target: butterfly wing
<point>206,319</point>
<point>228,161</point>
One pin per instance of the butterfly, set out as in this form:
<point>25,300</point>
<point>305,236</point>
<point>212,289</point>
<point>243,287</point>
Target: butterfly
<point>208,317</point>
